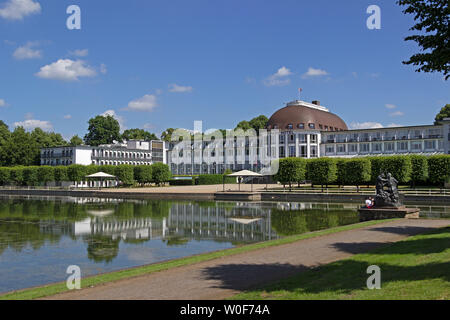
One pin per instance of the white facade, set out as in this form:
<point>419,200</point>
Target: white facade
<point>133,152</point>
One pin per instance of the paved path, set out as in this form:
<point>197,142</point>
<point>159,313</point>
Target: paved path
<point>224,277</point>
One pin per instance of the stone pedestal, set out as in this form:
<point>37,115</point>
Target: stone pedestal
<point>379,213</point>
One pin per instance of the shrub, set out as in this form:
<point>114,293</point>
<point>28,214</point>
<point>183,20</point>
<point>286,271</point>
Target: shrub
<point>341,171</point>
<point>109,169</point>
<point>419,169</point>
<point>17,175</point>
<point>125,173</point>
<point>321,171</point>
<point>60,174</point>
<point>357,171</point>
<point>291,170</point>
<point>45,174</point>
<point>143,174</point>
<point>399,166</point>
<point>182,182</point>
<point>5,176</point>
<point>30,176</point>
<point>160,173</point>
<point>76,173</point>
<point>439,168</point>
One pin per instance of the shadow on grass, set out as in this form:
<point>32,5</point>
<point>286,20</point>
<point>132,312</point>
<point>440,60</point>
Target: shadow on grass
<point>400,263</point>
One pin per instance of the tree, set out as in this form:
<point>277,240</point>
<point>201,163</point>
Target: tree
<point>167,134</point>
<point>432,17</point>
<point>291,170</point>
<point>259,122</point>
<point>5,135</point>
<point>102,130</point>
<point>76,141</point>
<point>143,174</point>
<point>138,134</point>
<point>444,113</point>
<point>244,125</point>
<point>21,148</point>
<point>160,173</point>
<point>321,171</point>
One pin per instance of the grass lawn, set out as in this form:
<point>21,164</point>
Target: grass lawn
<point>52,289</point>
<point>415,268</point>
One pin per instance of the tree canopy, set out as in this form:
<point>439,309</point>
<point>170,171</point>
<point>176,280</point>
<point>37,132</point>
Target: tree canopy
<point>444,113</point>
<point>76,141</point>
<point>138,134</point>
<point>102,130</point>
<point>432,17</point>
<point>256,123</point>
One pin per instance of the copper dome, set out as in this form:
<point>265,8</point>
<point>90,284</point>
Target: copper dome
<point>302,117</point>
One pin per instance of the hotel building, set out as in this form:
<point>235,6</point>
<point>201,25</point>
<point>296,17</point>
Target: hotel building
<point>306,130</point>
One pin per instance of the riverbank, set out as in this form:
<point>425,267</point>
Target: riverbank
<point>417,268</point>
<point>56,288</point>
<point>215,192</point>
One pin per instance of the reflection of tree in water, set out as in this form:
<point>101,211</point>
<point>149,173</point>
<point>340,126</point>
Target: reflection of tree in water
<point>290,222</point>
<point>19,234</point>
<point>102,248</point>
<point>176,241</point>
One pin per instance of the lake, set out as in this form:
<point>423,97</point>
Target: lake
<point>41,236</point>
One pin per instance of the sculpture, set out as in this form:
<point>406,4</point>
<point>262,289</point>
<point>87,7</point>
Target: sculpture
<point>387,191</point>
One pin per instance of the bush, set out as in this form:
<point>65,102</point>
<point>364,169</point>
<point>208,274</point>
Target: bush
<point>321,171</point>
<point>357,171</point>
<point>211,179</point>
<point>143,174</point>
<point>399,166</point>
<point>439,169</point>
<point>45,174</point>
<point>125,173</point>
<point>341,171</point>
<point>76,173</point>
<point>182,182</point>
<point>419,169</point>
<point>291,170</point>
<point>160,173</point>
<point>109,169</point>
<point>30,176</point>
<point>60,174</point>
<point>17,175</point>
<point>5,176</point>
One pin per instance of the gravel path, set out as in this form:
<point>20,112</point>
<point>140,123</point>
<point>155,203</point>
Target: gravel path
<point>224,277</point>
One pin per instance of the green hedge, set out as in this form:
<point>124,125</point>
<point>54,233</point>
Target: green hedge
<point>182,182</point>
<point>419,169</point>
<point>321,171</point>
<point>125,173</point>
<point>143,174</point>
<point>291,170</point>
<point>399,166</point>
<point>439,169</point>
<point>160,173</point>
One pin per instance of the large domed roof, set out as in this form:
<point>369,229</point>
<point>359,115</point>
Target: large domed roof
<point>301,115</point>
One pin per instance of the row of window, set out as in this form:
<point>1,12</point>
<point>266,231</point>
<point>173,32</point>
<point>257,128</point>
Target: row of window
<point>290,126</point>
<point>120,154</point>
<point>387,135</point>
<point>429,145</point>
<point>302,152</point>
<point>302,138</point>
<point>116,163</point>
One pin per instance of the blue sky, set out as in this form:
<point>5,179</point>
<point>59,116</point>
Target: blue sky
<point>160,64</point>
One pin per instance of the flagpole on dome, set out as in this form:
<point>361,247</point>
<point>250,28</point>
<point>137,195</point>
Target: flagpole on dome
<point>299,93</point>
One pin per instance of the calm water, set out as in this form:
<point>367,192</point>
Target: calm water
<point>41,237</point>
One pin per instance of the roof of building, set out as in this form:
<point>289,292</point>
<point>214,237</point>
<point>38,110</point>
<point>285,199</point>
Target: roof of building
<point>300,112</point>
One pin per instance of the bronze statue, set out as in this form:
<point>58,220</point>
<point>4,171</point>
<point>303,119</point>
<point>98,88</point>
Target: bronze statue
<point>387,191</point>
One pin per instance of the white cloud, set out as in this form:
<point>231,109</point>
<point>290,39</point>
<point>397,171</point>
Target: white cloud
<point>66,70</point>
<point>314,73</point>
<point>2,103</point>
<point>79,52</point>
<point>103,69</point>
<point>31,124</point>
<point>391,106</point>
<point>397,114</point>
<point>176,88</point>
<point>149,126</point>
<point>68,116</point>
<point>279,78</point>
<point>113,114</point>
<point>18,9</point>
<point>365,125</point>
<point>27,52</point>
<point>146,103</point>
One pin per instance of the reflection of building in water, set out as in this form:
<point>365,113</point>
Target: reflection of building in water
<point>221,223</point>
<point>311,205</point>
<point>135,229</point>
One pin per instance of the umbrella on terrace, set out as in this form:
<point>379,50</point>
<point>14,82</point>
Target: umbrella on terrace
<point>101,176</point>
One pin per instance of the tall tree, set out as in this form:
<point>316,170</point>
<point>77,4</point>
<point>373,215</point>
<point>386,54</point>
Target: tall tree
<point>432,17</point>
<point>76,141</point>
<point>167,134</point>
<point>138,134</point>
<point>22,148</point>
<point>444,113</point>
<point>259,122</point>
<point>5,135</point>
<point>102,130</point>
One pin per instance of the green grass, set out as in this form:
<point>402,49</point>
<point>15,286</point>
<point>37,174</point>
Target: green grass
<point>52,289</point>
<point>415,268</point>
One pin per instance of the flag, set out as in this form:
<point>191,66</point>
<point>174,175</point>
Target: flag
<point>300,90</point>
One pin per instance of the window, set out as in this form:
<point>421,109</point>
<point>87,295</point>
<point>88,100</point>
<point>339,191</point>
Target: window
<point>291,138</point>
<point>388,146</point>
<point>303,152</point>
<point>402,146</point>
<point>313,138</point>
<point>416,146</point>
<point>376,147</point>
<point>290,126</point>
<point>364,147</point>
<point>312,126</point>
<point>320,127</point>
<point>301,126</point>
<point>302,138</point>
<point>281,138</point>
<point>313,151</point>
<point>326,128</point>
<point>430,144</point>
<point>329,149</point>
<point>281,152</point>
<point>292,151</point>
<point>341,148</point>
<point>353,148</point>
